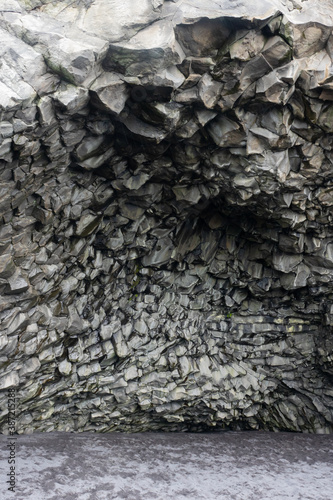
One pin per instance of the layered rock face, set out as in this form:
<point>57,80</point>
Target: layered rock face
<point>166,252</point>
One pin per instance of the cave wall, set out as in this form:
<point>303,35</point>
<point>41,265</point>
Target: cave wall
<point>166,252</point>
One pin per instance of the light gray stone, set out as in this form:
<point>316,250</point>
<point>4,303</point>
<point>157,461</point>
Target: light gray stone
<point>16,284</point>
<point>65,367</point>
<point>30,366</point>
<point>71,98</point>
<point>9,380</point>
<point>110,93</point>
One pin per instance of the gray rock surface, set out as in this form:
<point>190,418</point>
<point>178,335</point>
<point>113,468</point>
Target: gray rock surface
<point>166,256</point>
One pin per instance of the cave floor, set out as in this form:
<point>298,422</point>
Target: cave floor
<point>162,466</point>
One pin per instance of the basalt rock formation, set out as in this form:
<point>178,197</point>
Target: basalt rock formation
<point>166,250</point>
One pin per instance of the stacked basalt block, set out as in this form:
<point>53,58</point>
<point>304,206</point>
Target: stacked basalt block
<point>166,239</point>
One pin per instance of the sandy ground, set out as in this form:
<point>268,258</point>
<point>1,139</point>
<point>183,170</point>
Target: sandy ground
<point>162,466</point>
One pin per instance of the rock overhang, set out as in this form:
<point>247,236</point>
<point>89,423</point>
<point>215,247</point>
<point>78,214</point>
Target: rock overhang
<point>167,215</point>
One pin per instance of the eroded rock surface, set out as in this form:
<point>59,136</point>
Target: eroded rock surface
<point>166,251</point>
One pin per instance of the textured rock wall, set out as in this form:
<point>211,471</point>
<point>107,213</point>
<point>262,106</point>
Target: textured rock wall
<point>166,252</point>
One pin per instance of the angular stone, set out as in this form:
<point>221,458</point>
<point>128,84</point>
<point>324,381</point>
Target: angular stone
<point>7,266</point>
<point>90,147</point>
<point>71,98</point>
<point>109,93</point>
<point>18,323</point>
<point>209,91</point>
<point>277,52</point>
<point>131,373</point>
<point>131,211</point>
<point>188,96</point>
<point>326,118</point>
<point>247,45</point>
<point>298,279</point>
<point>144,130</point>
<point>277,121</point>
<point>245,182</point>
<point>253,71</point>
<point>141,327</point>
<point>44,216</point>
<point>271,89</point>
<point>87,225</point>
<point>46,112</point>
<point>136,181</point>
<point>119,345</point>
<point>226,132</point>
<point>325,196</point>
<point>76,324</point>
<point>205,116</point>
<point>10,380</point>
<point>29,366</point>
<point>64,49</point>
<point>160,254</point>
<point>5,148</point>
<point>290,72</point>
<point>117,240</point>
<point>6,129</point>
<point>266,136</point>
<point>153,48</point>
<point>3,341</point>
<point>94,162</point>
<point>190,194</point>
<point>16,284</point>
<point>170,115</point>
<point>84,371</point>
<point>286,263</point>
<point>168,77</point>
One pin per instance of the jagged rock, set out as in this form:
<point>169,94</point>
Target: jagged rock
<point>30,366</point>
<point>209,91</point>
<point>7,266</point>
<point>89,147</point>
<point>119,344</point>
<point>16,284</point>
<point>296,280</point>
<point>226,132</point>
<point>188,96</point>
<point>76,325</point>
<point>153,48</point>
<point>87,224</point>
<point>71,98</point>
<point>246,45</point>
<point>190,194</point>
<point>141,129</point>
<point>109,93</point>
<point>9,380</point>
<point>172,115</point>
<point>161,254</point>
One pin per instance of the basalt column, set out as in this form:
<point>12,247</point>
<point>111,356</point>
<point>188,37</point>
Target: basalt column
<point>166,237</point>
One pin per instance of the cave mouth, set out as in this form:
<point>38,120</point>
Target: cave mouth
<point>166,259</point>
